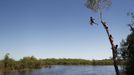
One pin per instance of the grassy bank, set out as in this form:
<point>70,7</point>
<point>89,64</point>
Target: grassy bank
<point>27,63</point>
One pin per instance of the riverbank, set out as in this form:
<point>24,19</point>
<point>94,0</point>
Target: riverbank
<point>28,63</point>
<point>21,70</point>
<point>68,70</point>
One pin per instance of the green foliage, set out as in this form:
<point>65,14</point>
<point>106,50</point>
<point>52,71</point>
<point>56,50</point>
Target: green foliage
<point>9,64</point>
<point>67,62</point>
<point>98,5</point>
<point>29,62</point>
<point>130,58</point>
<point>127,53</point>
<point>77,62</point>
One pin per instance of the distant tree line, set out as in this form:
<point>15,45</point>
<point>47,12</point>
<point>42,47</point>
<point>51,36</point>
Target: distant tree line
<point>9,64</point>
<point>76,62</point>
<point>27,63</point>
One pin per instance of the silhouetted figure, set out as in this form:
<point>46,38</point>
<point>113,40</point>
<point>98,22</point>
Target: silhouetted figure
<point>116,52</point>
<point>116,46</point>
<point>92,21</point>
<point>105,25</point>
<point>111,38</point>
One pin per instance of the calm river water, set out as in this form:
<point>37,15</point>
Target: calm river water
<point>68,70</point>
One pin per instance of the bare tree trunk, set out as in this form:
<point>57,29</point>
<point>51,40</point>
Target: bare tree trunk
<point>114,49</point>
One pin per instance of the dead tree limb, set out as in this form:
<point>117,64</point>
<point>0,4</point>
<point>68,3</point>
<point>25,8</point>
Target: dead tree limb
<point>114,49</point>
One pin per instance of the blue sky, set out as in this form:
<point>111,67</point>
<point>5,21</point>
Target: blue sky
<point>59,28</point>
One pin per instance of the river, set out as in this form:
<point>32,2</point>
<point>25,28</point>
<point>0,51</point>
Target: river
<point>67,70</point>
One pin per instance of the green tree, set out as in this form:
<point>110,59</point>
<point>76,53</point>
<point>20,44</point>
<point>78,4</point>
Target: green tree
<point>127,53</point>
<point>127,48</point>
<point>130,47</point>
<point>30,63</point>
<point>99,6</point>
<point>6,60</point>
<point>130,59</point>
<point>9,63</point>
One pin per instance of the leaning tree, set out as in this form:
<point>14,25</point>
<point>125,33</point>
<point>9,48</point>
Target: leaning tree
<point>99,6</point>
